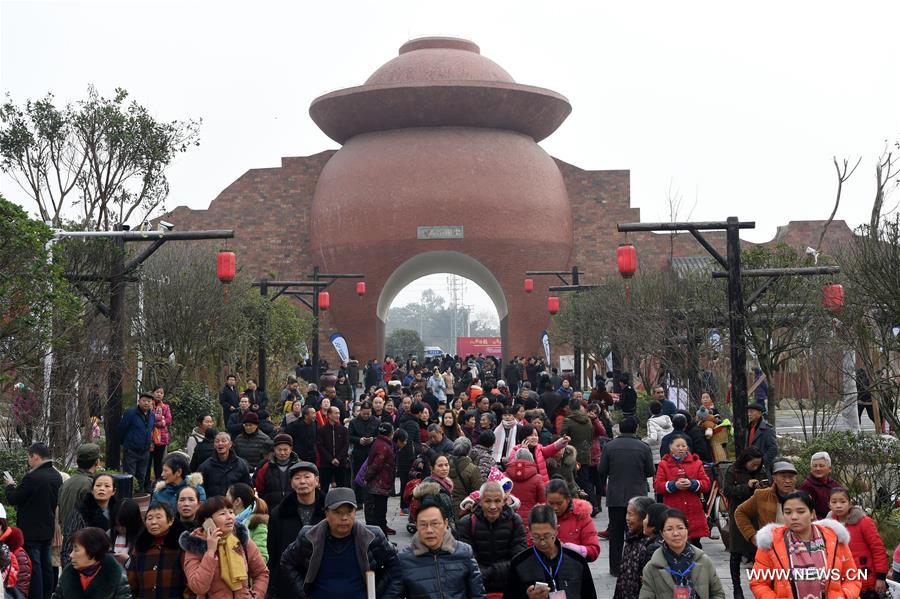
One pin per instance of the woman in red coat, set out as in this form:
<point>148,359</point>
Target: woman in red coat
<point>528,486</point>
<point>680,479</point>
<point>865,542</point>
<point>576,530</point>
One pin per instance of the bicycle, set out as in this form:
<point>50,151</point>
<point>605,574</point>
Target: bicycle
<point>717,514</point>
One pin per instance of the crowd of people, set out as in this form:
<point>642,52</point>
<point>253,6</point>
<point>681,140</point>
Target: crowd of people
<point>502,469</point>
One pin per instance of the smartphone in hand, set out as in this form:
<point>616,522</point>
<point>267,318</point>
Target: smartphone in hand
<point>209,525</point>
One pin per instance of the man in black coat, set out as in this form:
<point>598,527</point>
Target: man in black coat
<point>228,397</point>
<point>36,498</point>
<point>761,435</point>
<point>362,431</point>
<point>333,446</point>
<point>304,431</point>
<point>511,375</point>
<point>625,466</point>
<point>550,401</point>
<point>258,399</point>
<point>496,534</point>
<point>224,468</point>
<point>304,507</point>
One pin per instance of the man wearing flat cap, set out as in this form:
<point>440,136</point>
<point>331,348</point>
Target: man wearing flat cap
<point>764,506</point>
<point>305,506</point>
<point>252,444</point>
<point>72,492</point>
<point>331,558</point>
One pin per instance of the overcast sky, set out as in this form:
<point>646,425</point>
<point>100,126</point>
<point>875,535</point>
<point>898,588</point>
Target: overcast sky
<point>738,106</point>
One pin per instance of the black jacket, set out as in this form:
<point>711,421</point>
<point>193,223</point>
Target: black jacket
<point>333,443</point>
<point>284,526</point>
<point>273,484</point>
<point>258,398</point>
<point>84,515</point>
<point>511,375</point>
<point>301,561</point>
<point>550,402</point>
<point>228,399</point>
<point>304,436</point>
<point>357,429</point>
<point>202,452</point>
<point>410,424</point>
<point>765,441</point>
<point>35,499</point>
<point>494,544</point>
<point>628,401</point>
<point>626,464</point>
<point>253,447</point>
<point>574,574</point>
<point>698,442</point>
<point>450,572</point>
<point>219,475</point>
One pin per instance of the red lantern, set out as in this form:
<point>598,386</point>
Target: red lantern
<point>324,300</point>
<point>529,285</point>
<point>553,304</point>
<point>226,266</point>
<point>626,257</point>
<point>361,288</point>
<point>833,297</point>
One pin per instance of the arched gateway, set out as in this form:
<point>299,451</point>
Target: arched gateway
<point>439,171</point>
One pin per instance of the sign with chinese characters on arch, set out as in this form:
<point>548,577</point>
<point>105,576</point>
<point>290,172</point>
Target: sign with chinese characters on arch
<point>489,346</point>
<point>443,232</point>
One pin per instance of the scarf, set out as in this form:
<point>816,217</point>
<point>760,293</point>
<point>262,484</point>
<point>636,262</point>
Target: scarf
<point>680,566</point>
<point>446,483</point>
<point>232,567</point>
<point>86,575</point>
<point>807,555</point>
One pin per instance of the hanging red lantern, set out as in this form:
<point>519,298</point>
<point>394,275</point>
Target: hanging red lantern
<point>833,297</point>
<point>226,266</point>
<point>626,257</point>
<point>553,304</point>
<point>361,288</point>
<point>529,285</point>
<point>324,300</point>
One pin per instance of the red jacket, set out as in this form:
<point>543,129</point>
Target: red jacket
<point>772,555</point>
<point>14,539</point>
<point>528,486</point>
<point>820,491</point>
<point>688,501</point>
<point>541,453</point>
<point>866,546</point>
<point>577,527</point>
<point>598,430</point>
<point>382,467</point>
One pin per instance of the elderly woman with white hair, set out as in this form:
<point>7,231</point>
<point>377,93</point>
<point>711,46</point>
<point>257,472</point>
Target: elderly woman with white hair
<point>818,484</point>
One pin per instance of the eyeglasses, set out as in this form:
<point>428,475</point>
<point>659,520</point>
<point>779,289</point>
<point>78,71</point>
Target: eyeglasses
<point>430,525</point>
<point>547,538</point>
<point>671,529</point>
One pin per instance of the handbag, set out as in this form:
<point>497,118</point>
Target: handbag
<point>361,474</point>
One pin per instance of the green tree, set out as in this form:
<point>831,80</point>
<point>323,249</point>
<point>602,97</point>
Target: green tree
<point>403,342</point>
<point>98,161</point>
<point>31,290</point>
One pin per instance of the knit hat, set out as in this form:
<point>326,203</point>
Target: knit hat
<point>251,418</point>
<point>282,439</point>
<point>497,476</point>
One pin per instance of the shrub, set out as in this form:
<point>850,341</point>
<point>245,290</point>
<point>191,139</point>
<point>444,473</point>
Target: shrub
<point>189,400</point>
<point>867,465</point>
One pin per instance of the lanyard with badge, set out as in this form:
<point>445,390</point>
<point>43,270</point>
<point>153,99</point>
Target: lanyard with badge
<point>681,591</point>
<point>554,594</point>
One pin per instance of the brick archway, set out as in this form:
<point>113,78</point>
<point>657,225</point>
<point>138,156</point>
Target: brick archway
<point>429,263</point>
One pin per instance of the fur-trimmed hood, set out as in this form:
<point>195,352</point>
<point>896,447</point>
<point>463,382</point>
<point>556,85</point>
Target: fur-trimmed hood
<point>195,541</point>
<point>766,535</point>
<point>581,508</point>
<point>195,479</point>
<point>448,544</point>
<point>426,487</point>
<point>853,517</point>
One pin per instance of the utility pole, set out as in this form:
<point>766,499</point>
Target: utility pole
<point>574,285</point>
<point>737,306</point>
<point>121,274</point>
<point>308,293</point>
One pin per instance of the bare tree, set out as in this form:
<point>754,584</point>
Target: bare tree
<point>886,172</point>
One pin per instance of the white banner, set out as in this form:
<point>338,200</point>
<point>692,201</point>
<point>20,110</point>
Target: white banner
<point>340,346</point>
<point>545,341</point>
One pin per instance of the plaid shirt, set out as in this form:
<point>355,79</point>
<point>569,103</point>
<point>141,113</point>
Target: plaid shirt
<point>154,570</point>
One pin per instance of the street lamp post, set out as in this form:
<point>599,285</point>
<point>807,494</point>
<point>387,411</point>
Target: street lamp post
<point>307,292</point>
<point>575,285</point>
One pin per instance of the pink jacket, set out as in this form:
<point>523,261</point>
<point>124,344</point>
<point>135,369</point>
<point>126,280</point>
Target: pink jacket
<point>541,453</point>
<point>202,569</point>
<point>162,423</point>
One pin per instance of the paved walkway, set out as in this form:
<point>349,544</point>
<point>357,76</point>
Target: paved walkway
<point>604,583</point>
